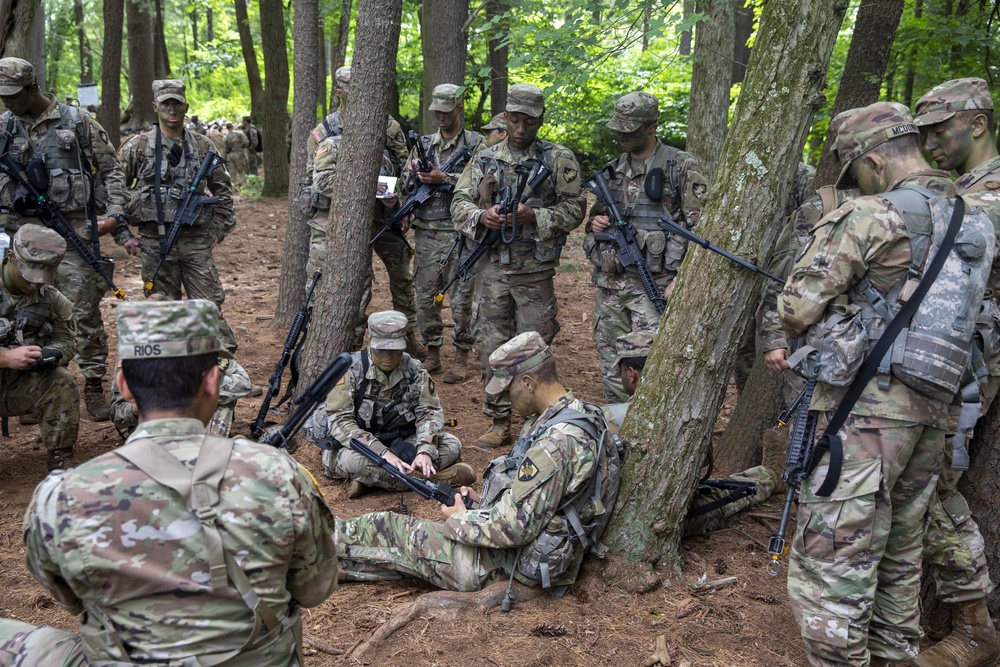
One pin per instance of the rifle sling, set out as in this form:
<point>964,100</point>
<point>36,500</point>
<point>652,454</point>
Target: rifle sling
<point>744,490</point>
<point>161,229</point>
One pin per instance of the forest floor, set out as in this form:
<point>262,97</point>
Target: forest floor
<point>744,624</point>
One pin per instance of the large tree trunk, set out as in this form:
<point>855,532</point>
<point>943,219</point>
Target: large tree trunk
<point>498,53</point>
<point>161,61</point>
<point>249,57</point>
<point>759,405</point>
<point>308,91</point>
<point>443,43</point>
<point>140,65</point>
<point>708,113</point>
<point>670,422</point>
<point>83,44</point>
<point>981,488</point>
<point>743,23</point>
<point>19,20</point>
<point>274,109</point>
<point>684,48</point>
<point>339,55</point>
<point>321,54</point>
<point>871,44</point>
<point>348,257</point>
<point>109,113</point>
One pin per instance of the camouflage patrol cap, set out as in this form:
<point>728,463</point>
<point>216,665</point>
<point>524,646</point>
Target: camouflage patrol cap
<point>498,123</point>
<point>867,128</point>
<point>633,345</point>
<point>526,99</point>
<point>633,110</point>
<point>388,330</point>
<point>518,355</point>
<point>169,89</point>
<point>155,329</point>
<point>446,97</point>
<point>343,77</point>
<point>15,74</point>
<point>37,252</point>
<point>945,99</point>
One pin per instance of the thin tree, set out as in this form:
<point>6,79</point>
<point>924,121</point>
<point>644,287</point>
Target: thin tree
<point>109,112</point>
<point>981,488</point>
<point>443,42</point>
<point>670,422</point>
<point>249,56</point>
<point>708,114</point>
<point>498,55</point>
<point>339,55</point>
<point>161,61</point>
<point>140,66</point>
<point>743,30</point>
<point>83,44</point>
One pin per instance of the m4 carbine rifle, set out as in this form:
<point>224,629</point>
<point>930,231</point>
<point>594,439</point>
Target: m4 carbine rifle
<point>188,211</point>
<point>289,355</point>
<point>426,489</point>
<point>34,181</point>
<point>315,394</point>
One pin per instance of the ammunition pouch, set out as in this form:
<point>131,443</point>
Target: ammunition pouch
<point>841,342</point>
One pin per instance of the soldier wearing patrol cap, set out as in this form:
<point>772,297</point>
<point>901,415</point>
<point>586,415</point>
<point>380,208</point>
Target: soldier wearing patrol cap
<point>387,401</point>
<point>863,542</point>
<point>522,501</point>
<point>210,590</point>
<point>434,234</point>
<point>37,340</point>
<point>651,180</point>
<point>514,291</point>
<point>496,130</point>
<point>77,155</point>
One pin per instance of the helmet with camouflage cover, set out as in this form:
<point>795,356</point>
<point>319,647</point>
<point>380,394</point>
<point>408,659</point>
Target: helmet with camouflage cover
<point>946,99</point>
<point>867,128</point>
<point>634,110</point>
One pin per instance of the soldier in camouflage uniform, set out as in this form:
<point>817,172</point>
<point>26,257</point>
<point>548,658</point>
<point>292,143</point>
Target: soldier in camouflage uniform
<point>854,572</point>
<point>956,123</point>
<point>435,236</point>
<point>254,139</point>
<point>387,401</point>
<point>210,590</point>
<point>189,265</point>
<point>76,150</point>
<point>37,335</point>
<point>196,126</point>
<point>514,291</point>
<point>235,145</point>
<point>473,548</point>
<point>621,304</point>
<point>496,130</point>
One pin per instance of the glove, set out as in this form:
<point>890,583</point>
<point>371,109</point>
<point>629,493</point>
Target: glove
<point>49,360</point>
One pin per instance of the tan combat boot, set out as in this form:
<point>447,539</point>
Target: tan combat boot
<point>432,363</point>
<point>459,474</point>
<point>96,400</point>
<point>414,347</point>
<point>774,456</point>
<point>973,641</point>
<point>355,489</point>
<point>498,435</point>
<point>459,369</point>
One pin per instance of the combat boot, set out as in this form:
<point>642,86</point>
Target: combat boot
<point>498,435</point>
<point>30,419</point>
<point>414,347</point>
<point>432,363</point>
<point>355,489</point>
<point>96,400</point>
<point>973,641</point>
<point>774,458</point>
<point>60,459</point>
<point>459,474</point>
<point>459,369</point>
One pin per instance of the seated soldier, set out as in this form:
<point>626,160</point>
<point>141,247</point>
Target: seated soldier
<point>522,526</point>
<point>37,340</point>
<point>715,499</point>
<point>387,401</point>
<point>178,548</point>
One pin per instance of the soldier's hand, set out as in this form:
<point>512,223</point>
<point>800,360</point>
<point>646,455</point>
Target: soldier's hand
<point>132,246</point>
<point>433,177</point>
<point>424,464</point>
<point>20,358</point>
<point>48,360</point>
<point>668,290</point>
<point>775,360</point>
<point>405,223</point>
<point>491,218</point>
<point>396,461</point>
<point>525,215</point>
<point>470,493</point>
<point>600,223</point>
<point>389,202</point>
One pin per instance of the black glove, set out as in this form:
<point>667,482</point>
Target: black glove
<point>50,359</point>
<point>174,155</point>
<point>404,450</point>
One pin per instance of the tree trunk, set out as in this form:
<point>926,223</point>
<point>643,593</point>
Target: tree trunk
<point>498,53</point>
<point>339,56</point>
<point>443,43</point>
<point>670,422</point>
<point>249,57</point>
<point>274,116</point>
<point>140,65</point>
<point>194,29</point>
<point>321,53</point>
<point>18,29</point>
<point>109,113</point>
<point>981,488</point>
<point>86,57</point>
<point>758,407</point>
<point>743,32</point>
<point>708,113</point>
<point>348,257</point>
<point>161,61</point>
<point>308,91</point>
<point>867,59</point>
<point>209,25</point>
<point>684,48</point>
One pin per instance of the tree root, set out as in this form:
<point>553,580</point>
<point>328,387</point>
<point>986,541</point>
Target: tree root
<point>443,606</point>
<point>631,576</point>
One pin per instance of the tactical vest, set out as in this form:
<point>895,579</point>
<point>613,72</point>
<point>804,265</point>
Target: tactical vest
<point>438,207</point>
<point>333,125</point>
<point>29,321</point>
<point>174,181</point>
<point>395,414</point>
<point>68,158</point>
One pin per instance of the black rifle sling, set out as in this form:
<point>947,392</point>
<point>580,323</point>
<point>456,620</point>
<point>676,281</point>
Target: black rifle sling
<point>88,168</point>
<point>745,489</point>
<point>362,391</point>
<point>161,229</point>
<point>830,441</point>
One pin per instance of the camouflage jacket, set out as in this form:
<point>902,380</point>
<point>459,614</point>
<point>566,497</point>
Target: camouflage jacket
<point>234,142</point>
<point>43,318</point>
<point>138,157</point>
<point>324,172</point>
<point>406,397</point>
<point>333,125</point>
<point>559,461</point>
<point>106,539</point>
<point>864,238</point>
<point>435,212</point>
<point>558,205</point>
<point>68,190</point>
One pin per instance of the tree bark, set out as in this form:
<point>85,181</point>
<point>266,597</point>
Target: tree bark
<point>340,49</point>
<point>18,29</point>
<point>109,113</point>
<point>194,29</point>
<point>308,91</point>
<point>684,48</point>
<point>756,411</point>
<point>249,57</point>
<point>443,43</point>
<point>321,54</point>
<point>348,256</point>
<point>670,422</point>
<point>708,114</point>
<point>981,488</point>
<point>274,107</point>
<point>83,44</point>
<point>498,54</point>
<point>741,52</point>
<point>867,59</point>
<point>209,25</point>
<point>161,61</point>
<point>140,65</point>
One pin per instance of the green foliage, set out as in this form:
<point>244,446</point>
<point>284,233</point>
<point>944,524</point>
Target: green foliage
<point>252,187</point>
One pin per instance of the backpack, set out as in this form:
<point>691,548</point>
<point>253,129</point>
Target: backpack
<point>260,141</point>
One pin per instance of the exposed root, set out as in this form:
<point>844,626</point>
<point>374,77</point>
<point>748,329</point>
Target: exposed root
<point>631,576</point>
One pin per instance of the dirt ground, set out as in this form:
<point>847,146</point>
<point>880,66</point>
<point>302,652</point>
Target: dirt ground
<point>745,624</point>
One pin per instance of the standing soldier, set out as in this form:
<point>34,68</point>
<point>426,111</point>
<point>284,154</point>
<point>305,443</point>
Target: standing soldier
<point>85,181</point>
<point>160,166</point>
<point>435,235</point>
<point>514,291</point>
<point>235,144</point>
<point>621,303</point>
<point>256,145</point>
<point>496,130</point>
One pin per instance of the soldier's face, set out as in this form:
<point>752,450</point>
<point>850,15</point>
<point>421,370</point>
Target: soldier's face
<point>19,103</point>
<point>495,137</point>
<point>949,143</point>
<point>386,359</point>
<point>522,129</point>
<point>867,173</point>
<point>171,113</point>
<point>448,121</point>
<point>522,397</point>
<point>630,378</point>
<point>638,140</point>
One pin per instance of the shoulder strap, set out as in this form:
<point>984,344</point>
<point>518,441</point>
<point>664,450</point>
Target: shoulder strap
<point>362,391</point>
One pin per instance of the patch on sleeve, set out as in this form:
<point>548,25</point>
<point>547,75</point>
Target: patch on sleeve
<point>536,469</point>
<point>104,136</point>
<point>430,385</point>
<point>570,174</point>
<point>318,134</point>
<point>323,148</point>
<point>343,378</point>
<point>699,190</point>
<point>805,249</point>
<point>527,471</point>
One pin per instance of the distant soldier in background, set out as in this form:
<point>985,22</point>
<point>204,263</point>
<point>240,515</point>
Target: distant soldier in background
<point>236,144</point>
<point>196,125</point>
<point>496,130</point>
<point>255,147</point>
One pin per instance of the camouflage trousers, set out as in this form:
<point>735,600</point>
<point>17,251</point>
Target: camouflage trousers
<point>618,312</point>
<point>190,266</point>
<point>23,645</point>
<point>855,563</point>
<point>85,289</point>
<point>432,245</point>
<point>345,463</point>
<point>953,546</point>
<point>719,518</point>
<point>237,166</point>
<point>53,395</point>
<point>504,306</point>
<point>384,545</point>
